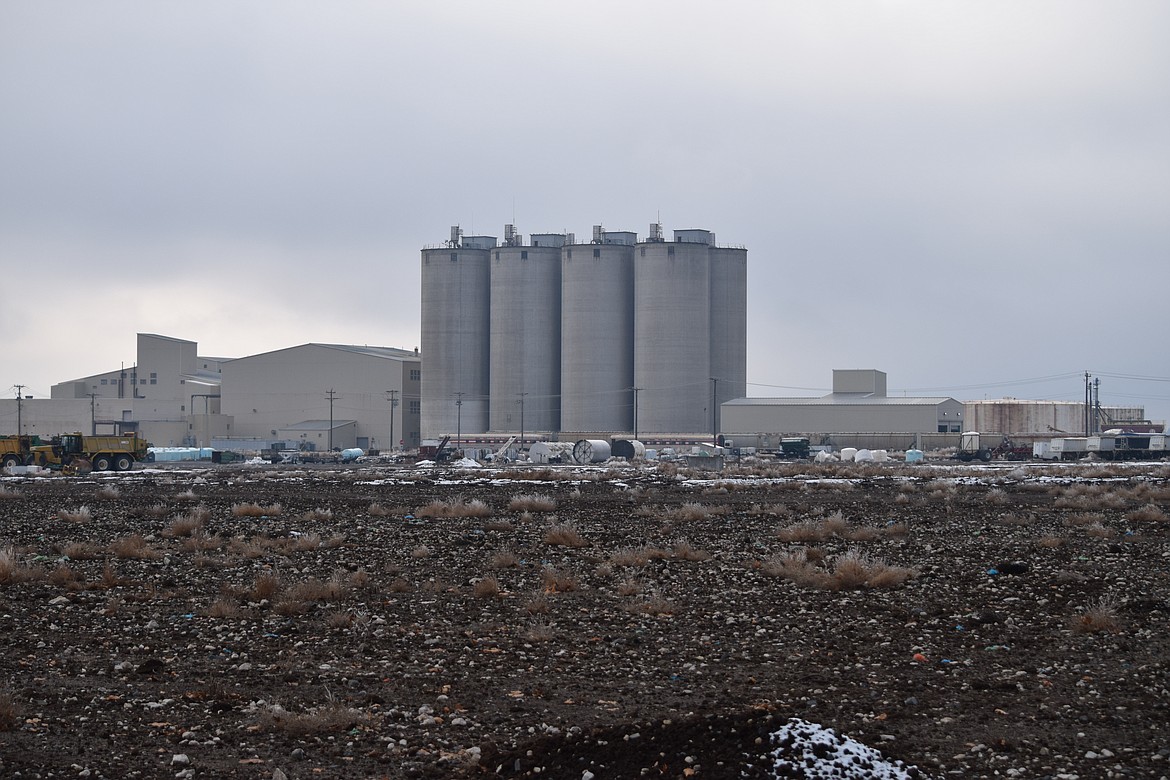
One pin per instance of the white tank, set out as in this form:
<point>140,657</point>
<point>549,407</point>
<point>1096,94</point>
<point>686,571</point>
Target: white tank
<point>588,451</point>
<point>456,296</point>
<point>729,322</point>
<point>672,339</point>
<point>525,338</point>
<point>597,337</point>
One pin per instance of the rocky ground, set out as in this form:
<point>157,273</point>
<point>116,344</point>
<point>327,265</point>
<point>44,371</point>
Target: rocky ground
<point>376,621</point>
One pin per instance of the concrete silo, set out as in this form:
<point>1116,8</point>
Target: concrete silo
<point>456,300</point>
<point>597,333</point>
<point>672,337</point>
<point>526,333</point>
<point>728,323</point>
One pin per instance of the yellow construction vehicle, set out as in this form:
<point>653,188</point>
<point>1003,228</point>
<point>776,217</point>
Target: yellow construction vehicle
<point>14,450</point>
<point>102,453</point>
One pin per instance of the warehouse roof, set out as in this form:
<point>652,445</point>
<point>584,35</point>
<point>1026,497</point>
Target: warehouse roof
<point>840,399</point>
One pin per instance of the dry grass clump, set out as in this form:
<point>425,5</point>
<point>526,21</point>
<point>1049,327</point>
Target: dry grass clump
<point>154,511</point>
<point>996,497</point>
<point>638,556</point>
<point>850,571</point>
<point>399,585</point>
<point>63,576</point>
<point>534,502</point>
<point>134,546</point>
<point>690,511</point>
<point>1084,518</point>
<point>422,551</point>
<point>1051,542</point>
<point>377,510</point>
<point>186,495</point>
<point>253,548</point>
<point>189,523</point>
<point>1101,616</point>
<point>265,586</point>
<point>653,604</point>
<point>456,507</point>
<point>538,604</point>
<point>9,711</point>
<point>331,717</point>
<point>630,586</point>
<point>6,492</point>
<point>256,510</point>
<point>1150,513</point>
<point>539,630</point>
<point>81,551</point>
<point>805,531</point>
<point>554,581</point>
<point>564,535</point>
<point>79,515</point>
<point>500,525</point>
<point>685,552</point>
<point>796,568</point>
<point>487,588</point>
<point>108,493</point>
<point>862,533</point>
<point>12,570</point>
<point>223,607</point>
<point>318,515</point>
<point>306,542</point>
<point>1098,531</point>
<point>201,542</point>
<point>505,559</point>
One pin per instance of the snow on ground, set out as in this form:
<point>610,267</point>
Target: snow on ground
<point>808,750</point>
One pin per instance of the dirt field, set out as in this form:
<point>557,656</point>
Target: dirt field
<point>259,622</point>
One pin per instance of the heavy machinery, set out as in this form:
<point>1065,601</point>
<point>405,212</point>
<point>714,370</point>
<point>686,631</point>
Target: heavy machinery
<point>14,450</point>
<point>103,453</point>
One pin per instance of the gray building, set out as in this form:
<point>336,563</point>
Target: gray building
<point>858,404</point>
<point>172,396</point>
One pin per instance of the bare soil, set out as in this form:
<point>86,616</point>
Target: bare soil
<point>266,622</point>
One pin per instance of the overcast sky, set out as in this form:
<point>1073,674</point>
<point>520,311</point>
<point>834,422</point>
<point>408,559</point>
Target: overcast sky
<point>971,196</point>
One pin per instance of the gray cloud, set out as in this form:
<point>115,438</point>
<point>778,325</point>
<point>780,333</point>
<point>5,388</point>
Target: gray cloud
<point>930,189</point>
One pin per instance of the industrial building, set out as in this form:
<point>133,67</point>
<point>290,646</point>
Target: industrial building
<point>859,412</point>
<point>858,405</point>
<point>313,396</point>
<point>611,336</point>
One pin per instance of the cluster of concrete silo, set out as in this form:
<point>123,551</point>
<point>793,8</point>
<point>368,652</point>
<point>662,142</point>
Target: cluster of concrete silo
<point>614,335</point>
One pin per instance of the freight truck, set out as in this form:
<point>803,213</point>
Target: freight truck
<point>102,453</point>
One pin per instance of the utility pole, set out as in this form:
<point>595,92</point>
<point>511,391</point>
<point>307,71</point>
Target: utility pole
<point>393,405</point>
<point>459,420</point>
<point>1088,401</point>
<point>714,412</point>
<point>331,395</point>
<point>635,389</point>
<point>521,402</point>
<point>92,414</point>
<point>1097,405</point>
<point>19,388</point>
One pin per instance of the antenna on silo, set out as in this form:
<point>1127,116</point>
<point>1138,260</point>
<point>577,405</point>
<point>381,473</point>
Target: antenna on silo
<point>656,232</point>
<point>598,234</point>
<point>510,235</point>
<point>456,236</point>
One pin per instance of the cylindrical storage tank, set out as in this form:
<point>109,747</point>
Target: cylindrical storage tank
<point>456,300</point>
<point>525,339</point>
<point>628,449</point>
<point>591,451</point>
<point>672,340</point>
<point>597,337</point>
<point>728,324</point>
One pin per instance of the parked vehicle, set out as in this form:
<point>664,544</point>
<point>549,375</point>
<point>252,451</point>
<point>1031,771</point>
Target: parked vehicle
<point>14,450</point>
<point>102,453</point>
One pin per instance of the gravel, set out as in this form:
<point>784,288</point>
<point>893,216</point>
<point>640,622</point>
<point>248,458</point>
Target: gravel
<point>329,622</point>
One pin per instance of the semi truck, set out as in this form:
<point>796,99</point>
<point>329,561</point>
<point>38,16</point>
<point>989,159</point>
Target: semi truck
<point>102,453</point>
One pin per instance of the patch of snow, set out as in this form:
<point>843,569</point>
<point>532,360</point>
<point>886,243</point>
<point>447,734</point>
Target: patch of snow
<point>809,750</point>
